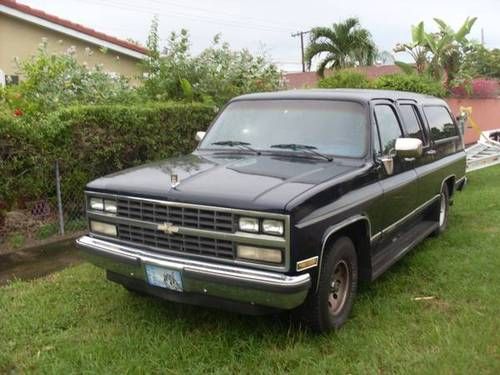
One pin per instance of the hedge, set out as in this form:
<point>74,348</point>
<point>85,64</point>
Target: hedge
<point>410,82</point>
<point>91,141</point>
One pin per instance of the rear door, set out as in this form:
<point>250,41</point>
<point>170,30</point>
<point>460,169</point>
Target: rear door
<point>415,128</point>
<point>400,188</point>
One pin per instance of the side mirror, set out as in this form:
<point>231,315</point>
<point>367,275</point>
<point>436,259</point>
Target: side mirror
<point>199,136</point>
<point>408,147</point>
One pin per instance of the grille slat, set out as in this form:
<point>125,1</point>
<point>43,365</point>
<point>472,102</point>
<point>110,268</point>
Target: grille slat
<point>187,217</point>
<point>180,216</point>
<point>176,241</point>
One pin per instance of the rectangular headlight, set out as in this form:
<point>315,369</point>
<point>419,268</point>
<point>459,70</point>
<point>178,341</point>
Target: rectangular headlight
<point>103,228</point>
<point>110,206</point>
<point>249,224</point>
<point>259,254</point>
<point>96,204</point>
<point>275,227</point>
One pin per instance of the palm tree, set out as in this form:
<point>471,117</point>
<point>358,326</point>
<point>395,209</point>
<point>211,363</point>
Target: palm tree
<point>346,44</point>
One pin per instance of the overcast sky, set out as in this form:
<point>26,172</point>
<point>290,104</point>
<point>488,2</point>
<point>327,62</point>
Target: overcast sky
<point>266,25</point>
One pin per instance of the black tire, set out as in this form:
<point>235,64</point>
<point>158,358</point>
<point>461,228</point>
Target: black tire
<point>322,311</point>
<point>442,216</point>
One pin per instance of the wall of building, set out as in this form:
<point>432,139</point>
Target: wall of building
<point>486,113</point>
<point>21,39</point>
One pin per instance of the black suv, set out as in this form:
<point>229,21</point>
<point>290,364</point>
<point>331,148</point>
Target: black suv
<point>290,199</point>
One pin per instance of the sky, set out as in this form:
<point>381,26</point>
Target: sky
<point>265,26</point>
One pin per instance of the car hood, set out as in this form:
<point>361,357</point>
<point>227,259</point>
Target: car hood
<point>256,182</point>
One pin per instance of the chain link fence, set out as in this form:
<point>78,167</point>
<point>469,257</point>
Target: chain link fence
<point>58,211</point>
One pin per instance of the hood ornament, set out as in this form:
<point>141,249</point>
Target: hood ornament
<point>174,180</point>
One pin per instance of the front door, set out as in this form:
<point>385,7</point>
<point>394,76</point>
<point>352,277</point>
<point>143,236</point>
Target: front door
<point>400,188</point>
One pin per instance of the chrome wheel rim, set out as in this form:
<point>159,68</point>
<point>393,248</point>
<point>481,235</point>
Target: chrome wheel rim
<point>339,287</point>
<point>442,210</point>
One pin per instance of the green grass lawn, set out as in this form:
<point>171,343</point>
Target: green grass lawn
<point>76,322</point>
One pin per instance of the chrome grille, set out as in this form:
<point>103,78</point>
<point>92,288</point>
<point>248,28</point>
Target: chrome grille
<point>176,241</point>
<point>181,216</point>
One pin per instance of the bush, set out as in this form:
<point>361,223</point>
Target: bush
<point>345,79</point>
<point>478,88</point>
<point>91,141</point>
<point>410,82</point>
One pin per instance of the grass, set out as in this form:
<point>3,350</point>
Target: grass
<point>76,322</point>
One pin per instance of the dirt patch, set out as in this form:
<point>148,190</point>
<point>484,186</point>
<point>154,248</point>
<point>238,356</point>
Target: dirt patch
<point>39,261</point>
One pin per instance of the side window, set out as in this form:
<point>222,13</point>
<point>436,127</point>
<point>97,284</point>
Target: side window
<point>411,121</point>
<point>388,127</point>
<point>440,123</point>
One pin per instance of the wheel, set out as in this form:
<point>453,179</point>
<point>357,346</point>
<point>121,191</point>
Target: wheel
<point>443,211</point>
<point>329,307</point>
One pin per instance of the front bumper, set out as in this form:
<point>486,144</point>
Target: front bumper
<point>241,285</point>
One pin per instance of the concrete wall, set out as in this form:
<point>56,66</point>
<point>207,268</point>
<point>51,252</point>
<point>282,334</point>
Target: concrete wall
<point>21,39</point>
<point>486,113</point>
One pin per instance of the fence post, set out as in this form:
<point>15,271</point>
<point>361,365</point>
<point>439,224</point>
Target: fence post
<point>59,200</point>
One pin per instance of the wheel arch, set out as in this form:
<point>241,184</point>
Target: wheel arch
<point>450,183</point>
<point>358,229</point>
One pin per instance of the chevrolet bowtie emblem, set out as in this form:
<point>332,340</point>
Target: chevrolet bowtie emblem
<point>168,228</point>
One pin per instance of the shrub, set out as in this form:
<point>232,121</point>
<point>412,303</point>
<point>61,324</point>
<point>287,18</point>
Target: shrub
<point>91,141</point>
<point>345,79</point>
<point>410,82</point>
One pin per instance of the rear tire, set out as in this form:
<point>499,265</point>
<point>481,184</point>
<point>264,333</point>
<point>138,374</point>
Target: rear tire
<point>442,211</point>
<point>329,307</point>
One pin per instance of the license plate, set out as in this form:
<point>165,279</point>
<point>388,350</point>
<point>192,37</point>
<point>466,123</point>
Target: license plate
<point>164,277</point>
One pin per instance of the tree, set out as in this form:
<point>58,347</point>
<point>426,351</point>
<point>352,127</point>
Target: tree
<point>346,44</point>
<point>438,54</point>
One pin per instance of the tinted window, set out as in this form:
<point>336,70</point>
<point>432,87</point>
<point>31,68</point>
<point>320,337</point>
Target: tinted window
<point>411,121</point>
<point>332,127</point>
<point>388,126</point>
<point>440,123</point>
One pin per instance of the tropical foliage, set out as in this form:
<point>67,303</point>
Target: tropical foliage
<point>214,76</point>
<point>437,54</point>
<point>410,82</point>
<point>345,44</point>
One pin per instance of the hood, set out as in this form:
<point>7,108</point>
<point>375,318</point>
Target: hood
<point>237,180</point>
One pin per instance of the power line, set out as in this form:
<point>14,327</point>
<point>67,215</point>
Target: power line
<point>155,11</point>
<point>301,34</point>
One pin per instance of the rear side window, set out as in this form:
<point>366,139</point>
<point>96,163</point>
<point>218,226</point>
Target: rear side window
<point>388,127</point>
<point>440,123</point>
<point>411,121</point>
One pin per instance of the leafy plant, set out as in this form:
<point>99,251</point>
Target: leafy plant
<point>214,76</point>
<point>410,82</point>
<point>345,44</point>
<point>345,79</point>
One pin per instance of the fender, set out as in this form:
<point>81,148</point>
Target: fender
<point>334,229</point>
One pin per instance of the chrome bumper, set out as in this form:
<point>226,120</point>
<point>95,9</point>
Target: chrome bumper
<point>237,284</point>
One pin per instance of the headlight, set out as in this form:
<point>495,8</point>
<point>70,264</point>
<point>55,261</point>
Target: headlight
<point>249,224</point>
<point>100,204</point>
<point>103,228</point>
<point>97,204</point>
<point>110,206</point>
<point>259,254</point>
<point>275,227</point>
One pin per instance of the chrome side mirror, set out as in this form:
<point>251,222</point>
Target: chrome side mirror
<point>408,147</point>
<point>199,136</point>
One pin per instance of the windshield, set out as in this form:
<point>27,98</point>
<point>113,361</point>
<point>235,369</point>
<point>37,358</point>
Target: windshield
<point>330,127</point>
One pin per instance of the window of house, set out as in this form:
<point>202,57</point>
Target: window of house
<point>411,121</point>
<point>440,123</point>
<point>388,128</point>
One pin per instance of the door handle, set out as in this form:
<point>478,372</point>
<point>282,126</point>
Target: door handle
<point>409,159</point>
<point>431,152</point>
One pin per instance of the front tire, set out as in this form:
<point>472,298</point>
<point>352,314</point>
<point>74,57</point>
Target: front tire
<point>330,306</point>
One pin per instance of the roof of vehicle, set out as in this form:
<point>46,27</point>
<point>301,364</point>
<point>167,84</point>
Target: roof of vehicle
<point>359,95</point>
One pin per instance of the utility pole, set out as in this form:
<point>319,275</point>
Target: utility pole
<point>482,37</point>
<point>301,34</point>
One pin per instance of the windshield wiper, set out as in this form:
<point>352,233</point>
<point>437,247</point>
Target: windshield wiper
<point>299,147</point>
<point>243,145</point>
